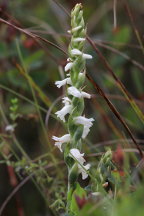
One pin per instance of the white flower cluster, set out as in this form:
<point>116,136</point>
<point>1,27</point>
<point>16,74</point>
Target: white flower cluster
<point>68,107</point>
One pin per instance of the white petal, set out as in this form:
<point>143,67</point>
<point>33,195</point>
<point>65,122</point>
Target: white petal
<point>61,140</point>
<point>85,95</point>
<point>69,81</point>
<point>60,83</point>
<point>76,52</point>
<point>87,56</point>
<point>74,91</point>
<point>75,153</point>
<point>63,112</point>
<point>66,100</point>
<point>86,130</point>
<point>84,121</point>
<point>78,39</point>
<point>68,66</point>
<point>69,59</point>
<point>59,145</point>
<point>9,128</point>
<point>87,123</point>
<point>83,169</point>
<point>74,29</point>
<point>77,93</point>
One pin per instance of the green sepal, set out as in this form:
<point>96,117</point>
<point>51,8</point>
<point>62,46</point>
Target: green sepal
<point>80,192</point>
<point>68,160</point>
<point>78,103</point>
<point>79,65</point>
<point>77,136</point>
<point>73,174</point>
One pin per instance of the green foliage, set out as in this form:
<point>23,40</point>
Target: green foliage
<point>123,35</point>
<point>80,193</point>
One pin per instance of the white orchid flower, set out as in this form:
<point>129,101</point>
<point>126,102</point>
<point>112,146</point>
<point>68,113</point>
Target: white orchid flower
<point>87,123</point>
<point>61,140</point>
<point>66,100</point>
<point>64,111</point>
<point>76,93</point>
<point>68,66</point>
<point>60,83</point>
<point>78,52</point>
<point>76,155</point>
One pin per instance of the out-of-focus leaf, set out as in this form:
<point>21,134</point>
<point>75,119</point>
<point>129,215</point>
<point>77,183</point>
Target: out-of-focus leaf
<point>40,77</point>
<point>80,192</point>
<point>138,81</point>
<point>122,35</point>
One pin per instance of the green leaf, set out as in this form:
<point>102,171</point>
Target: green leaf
<point>79,191</point>
<point>123,35</point>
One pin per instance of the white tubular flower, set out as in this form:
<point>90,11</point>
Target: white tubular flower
<point>64,111</point>
<point>78,39</point>
<point>87,123</point>
<point>60,83</point>
<point>75,154</point>
<point>68,66</point>
<point>61,140</point>
<point>78,52</point>
<point>76,93</point>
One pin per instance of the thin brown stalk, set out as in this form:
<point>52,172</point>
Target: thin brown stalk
<point>128,10</point>
<point>137,64</point>
<point>119,97</point>
<point>32,35</point>
<point>118,81</point>
<point>116,113</point>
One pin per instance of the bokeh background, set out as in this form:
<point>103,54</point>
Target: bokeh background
<point>28,69</point>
